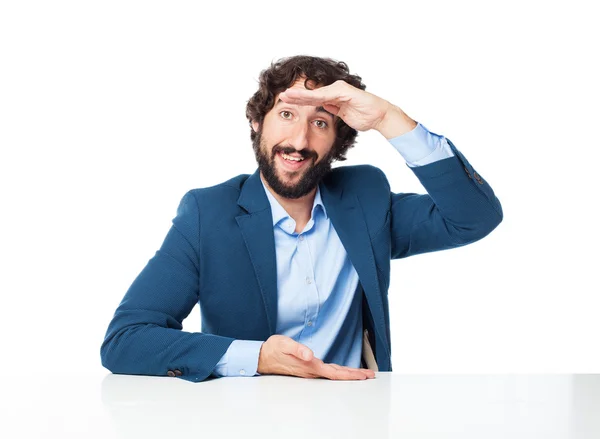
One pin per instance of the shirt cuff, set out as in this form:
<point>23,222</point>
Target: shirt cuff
<point>241,359</point>
<point>421,147</point>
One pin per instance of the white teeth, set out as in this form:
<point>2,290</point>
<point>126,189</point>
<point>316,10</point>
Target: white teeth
<point>289,157</point>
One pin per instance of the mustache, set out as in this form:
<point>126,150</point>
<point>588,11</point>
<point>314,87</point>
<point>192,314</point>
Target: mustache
<point>289,150</point>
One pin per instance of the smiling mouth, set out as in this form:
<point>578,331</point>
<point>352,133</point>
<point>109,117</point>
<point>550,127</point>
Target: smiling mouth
<point>292,162</point>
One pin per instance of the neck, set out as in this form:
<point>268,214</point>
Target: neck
<point>297,208</point>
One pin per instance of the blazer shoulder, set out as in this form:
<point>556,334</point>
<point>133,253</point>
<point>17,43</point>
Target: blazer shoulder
<point>362,179</point>
<point>220,191</point>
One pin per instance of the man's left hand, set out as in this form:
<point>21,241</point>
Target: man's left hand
<point>360,109</point>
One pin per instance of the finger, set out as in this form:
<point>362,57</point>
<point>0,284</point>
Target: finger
<point>368,372</point>
<point>336,372</point>
<point>319,96</point>
<point>351,374</point>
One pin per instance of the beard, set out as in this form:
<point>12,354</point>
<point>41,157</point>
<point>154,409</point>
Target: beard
<point>312,173</point>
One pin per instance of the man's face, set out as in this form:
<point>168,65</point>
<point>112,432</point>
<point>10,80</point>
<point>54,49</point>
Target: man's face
<point>294,147</point>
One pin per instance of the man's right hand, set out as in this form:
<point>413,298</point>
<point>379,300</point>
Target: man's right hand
<point>281,355</point>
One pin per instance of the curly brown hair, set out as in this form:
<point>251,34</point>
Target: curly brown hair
<point>283,73</point>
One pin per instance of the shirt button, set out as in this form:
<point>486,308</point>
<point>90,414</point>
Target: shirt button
<point>301,237</point>
<point>308,280</point>
<point>309,323</point>
<point>242,372</point>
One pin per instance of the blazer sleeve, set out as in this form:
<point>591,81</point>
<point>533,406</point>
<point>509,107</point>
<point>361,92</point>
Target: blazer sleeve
<point>145,335</point>
<point>459,208</point>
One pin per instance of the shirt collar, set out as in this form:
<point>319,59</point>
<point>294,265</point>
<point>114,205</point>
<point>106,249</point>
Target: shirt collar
<point>279,212</point>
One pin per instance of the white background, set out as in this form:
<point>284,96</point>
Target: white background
<point>110,111</point>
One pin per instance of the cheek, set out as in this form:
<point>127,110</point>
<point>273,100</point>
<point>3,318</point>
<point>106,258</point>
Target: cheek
<point>323,146</point>
<point>277,132</point>
<point>273,132</point>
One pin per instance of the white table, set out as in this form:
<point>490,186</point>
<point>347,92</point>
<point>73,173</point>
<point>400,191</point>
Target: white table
<point>390,406</point>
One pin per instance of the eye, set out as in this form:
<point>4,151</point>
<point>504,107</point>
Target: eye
<point>324,124</point>
<point>285,112</point>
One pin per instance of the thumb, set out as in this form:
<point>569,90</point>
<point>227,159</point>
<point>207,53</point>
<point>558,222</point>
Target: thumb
<point>302,352</point>
<point>333,109</point>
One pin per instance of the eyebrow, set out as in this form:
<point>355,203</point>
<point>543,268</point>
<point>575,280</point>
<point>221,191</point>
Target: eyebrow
<point>319,109</point>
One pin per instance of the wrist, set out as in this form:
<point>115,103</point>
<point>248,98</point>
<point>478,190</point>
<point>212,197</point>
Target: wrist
<point>261,359</point>
<point>395,122</point>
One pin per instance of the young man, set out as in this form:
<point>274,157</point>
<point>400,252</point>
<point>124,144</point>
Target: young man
<point>291,265</point>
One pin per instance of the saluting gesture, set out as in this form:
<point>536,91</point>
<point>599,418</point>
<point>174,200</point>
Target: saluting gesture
<point>360,109</point>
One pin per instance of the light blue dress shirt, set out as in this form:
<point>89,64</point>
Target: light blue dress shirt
<point>316,282</point>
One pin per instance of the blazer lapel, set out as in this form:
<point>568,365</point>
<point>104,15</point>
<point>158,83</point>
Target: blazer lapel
<point>347,217</point>
<point>257,229</point>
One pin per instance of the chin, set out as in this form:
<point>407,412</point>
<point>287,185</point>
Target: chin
<point>287,177</point>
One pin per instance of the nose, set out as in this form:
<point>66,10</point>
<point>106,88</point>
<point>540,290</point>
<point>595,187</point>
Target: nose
<point>298,136</point>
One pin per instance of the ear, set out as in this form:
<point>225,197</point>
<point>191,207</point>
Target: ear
<point>255,126</point>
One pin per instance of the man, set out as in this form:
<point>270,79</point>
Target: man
<point>291,265</point>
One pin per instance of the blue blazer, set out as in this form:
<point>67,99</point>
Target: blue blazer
<point>220,253</point>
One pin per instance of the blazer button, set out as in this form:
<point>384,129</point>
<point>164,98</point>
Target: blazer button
<point>171,373</point>
<point>177,372</point>
<point>477,177</point>
<point>467,171</point>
